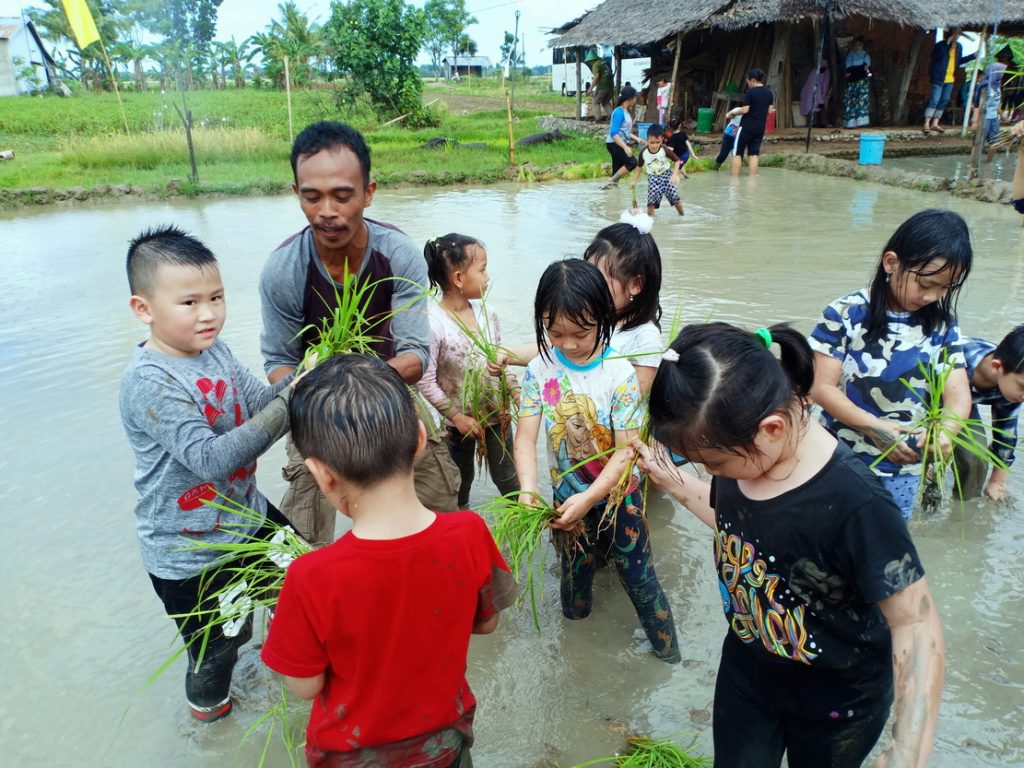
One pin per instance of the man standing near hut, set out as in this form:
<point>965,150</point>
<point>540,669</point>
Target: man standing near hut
<point>600,84</point>
<point>756,103</point>
<point>947,57</point>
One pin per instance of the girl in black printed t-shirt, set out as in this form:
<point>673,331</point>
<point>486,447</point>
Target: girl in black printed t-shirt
<point>825,596</point>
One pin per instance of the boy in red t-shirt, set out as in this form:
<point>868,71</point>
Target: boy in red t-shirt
<point>376,626</point>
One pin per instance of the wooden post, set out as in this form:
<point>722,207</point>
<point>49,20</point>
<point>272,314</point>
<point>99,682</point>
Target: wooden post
<point>579,82</point>
<point>899,113</point>
<point>674,97</point>
<point>833,63</point>
<point>618,73</point>
<point>288,90</point>
<point>982,53</point>
<point>511,136</point>
<point>776,73</point>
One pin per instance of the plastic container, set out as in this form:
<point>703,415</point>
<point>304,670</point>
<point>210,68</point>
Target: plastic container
<point>872,146</point>
<point>584,109</point>
<point>705,119</point>
<point>770,121</point>
<point>641,130</point>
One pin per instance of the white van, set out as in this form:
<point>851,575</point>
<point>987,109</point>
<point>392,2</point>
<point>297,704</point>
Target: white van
<point>563,69</point>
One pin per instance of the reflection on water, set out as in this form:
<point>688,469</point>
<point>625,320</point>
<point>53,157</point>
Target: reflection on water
<point>84,630</point>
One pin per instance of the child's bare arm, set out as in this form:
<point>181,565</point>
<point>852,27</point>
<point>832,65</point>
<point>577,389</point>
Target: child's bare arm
<point>524,454</point>
<point>956,399</point>
<point>576,506</point>
<point>305,688</point>
<point>692,492</point>
<point>1018,175</point>
<point>827,394</point>
<point>487,626</point>
<point>919,667</point>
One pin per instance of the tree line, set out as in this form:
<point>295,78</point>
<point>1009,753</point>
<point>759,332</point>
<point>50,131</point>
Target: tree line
<point>366,46</point>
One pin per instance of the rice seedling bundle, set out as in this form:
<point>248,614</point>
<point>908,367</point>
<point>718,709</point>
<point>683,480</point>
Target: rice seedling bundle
<point>645,752</point>
<point>936,425</point>
<point>519,530</point>
<point>255,568</point>
<point>1007,139</point>
<point>486,398</point>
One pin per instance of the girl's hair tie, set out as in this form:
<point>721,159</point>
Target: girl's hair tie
<point>765,336</point>
<point>670,356</point>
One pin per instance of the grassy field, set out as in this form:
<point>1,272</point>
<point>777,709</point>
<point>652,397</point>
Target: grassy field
<point>242,141</point>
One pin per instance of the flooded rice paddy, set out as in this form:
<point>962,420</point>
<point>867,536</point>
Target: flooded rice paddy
<point>83,630</point>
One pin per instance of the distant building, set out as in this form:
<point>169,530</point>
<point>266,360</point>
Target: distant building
<point>21,48</point>
<point>465,66</point>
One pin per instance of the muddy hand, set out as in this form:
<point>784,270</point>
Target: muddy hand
<point>884,434</point>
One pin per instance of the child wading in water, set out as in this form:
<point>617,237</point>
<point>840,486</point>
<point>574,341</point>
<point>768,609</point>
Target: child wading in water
<point>197,420</point>
<point>376,626</point>
<point>662,166</point>
<point>457,265</point>
<point>631,264</point>
<point>868,343</point>
<point>820,582</point>
<point>997,380</point>
<point>588,402</point>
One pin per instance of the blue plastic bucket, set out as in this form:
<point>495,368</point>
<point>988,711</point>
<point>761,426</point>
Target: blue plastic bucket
<point>641,130</point>
<point>872,145</point>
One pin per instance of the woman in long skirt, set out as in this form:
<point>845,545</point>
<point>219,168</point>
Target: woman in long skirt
<point>857,100</point>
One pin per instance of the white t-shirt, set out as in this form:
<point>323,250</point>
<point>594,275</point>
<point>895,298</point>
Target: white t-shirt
<point>641,345</point>
<point>581,409</point>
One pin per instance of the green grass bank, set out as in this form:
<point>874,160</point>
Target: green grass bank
<point>78,145</point>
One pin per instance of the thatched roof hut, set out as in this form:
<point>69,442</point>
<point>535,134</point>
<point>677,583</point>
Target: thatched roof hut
<point>714,41</point>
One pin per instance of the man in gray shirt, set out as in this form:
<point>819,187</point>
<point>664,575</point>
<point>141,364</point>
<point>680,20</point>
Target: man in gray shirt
<point>331,167</point>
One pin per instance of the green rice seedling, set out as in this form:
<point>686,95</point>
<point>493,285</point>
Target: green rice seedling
<point>278,720</point>
<point>645,752</point>
<point>345,331</point>
<point>936,426</point>
<point>484,397</point>
<point>255,568</point>
<point>519,530</point>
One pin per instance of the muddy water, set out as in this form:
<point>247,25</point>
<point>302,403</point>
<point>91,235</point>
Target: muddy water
<point>957,166</point>
<point>83,630</point>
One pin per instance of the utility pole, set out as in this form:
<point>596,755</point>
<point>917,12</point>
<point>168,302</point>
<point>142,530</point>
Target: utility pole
<point>515,56</point>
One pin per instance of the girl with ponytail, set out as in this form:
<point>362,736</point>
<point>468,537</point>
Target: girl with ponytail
<point>820,582</point>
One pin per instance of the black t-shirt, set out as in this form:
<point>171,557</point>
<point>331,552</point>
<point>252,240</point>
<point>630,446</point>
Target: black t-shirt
<point>677,143</point>
<point>758,98</point>
<point>801,574</point>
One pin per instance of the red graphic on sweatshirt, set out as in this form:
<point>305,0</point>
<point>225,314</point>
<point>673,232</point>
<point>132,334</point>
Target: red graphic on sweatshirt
<point>213,393</point>
<point>193,498</point>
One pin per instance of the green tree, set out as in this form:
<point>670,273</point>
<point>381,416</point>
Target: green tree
<point>375,43</point>
<point>294,36</point>
<point>86,64</point>
<point>446,22</point>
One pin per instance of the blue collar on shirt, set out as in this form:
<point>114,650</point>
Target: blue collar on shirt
<point>586,366</point>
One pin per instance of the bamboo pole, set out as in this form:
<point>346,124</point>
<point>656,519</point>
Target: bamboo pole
<point>900,108</point>
<point>511,137</point>
<point>117,92</point>
<point>674,98</point>
<point>579,83</point>
<point>288,90</point>
<point>974,82</point>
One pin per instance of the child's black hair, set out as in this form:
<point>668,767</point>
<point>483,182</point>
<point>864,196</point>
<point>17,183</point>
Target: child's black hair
<point>927,235</point>
<point>355,414</point>
<point>627,253</point>
<point>725,383</point>
<point>656,130</point>
<point>1010,351</point>
<point>447,254</point>
<point>628,92</point>
<point>329,135</point>
<point>576,291</point>
<point>757,75</point>
<point>166,244</point>
<point>674,123</point>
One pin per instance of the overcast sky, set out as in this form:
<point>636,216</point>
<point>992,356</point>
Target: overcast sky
<point>241,18</point>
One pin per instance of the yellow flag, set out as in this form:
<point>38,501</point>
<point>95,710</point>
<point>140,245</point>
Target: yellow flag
<point>81,23</point>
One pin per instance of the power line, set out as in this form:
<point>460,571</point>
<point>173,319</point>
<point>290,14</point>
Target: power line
<point>492,7</point>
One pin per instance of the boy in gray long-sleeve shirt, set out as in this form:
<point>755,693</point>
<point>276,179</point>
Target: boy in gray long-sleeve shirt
<point>196,420</point>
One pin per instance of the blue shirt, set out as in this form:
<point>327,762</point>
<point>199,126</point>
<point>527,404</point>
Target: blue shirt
<point>1004,413</point>
<point>621,124</point>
